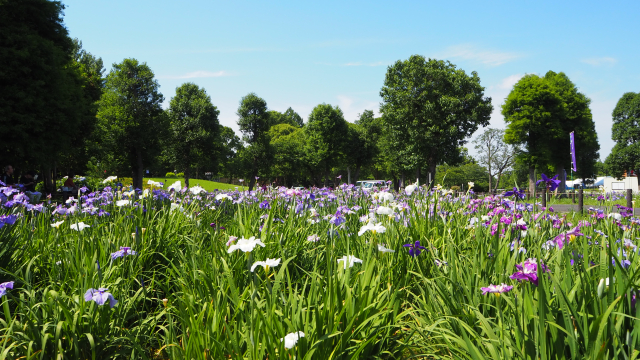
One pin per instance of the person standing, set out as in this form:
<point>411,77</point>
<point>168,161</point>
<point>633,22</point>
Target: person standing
<point>7,176</point>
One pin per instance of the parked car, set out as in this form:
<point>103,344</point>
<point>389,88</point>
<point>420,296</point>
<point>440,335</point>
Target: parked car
<point>369,184</point>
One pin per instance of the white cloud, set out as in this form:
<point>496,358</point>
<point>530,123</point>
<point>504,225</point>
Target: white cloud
<point>197,74</point>
<point>352,107</point>
<point>609,61</point>
<point>487,57</point>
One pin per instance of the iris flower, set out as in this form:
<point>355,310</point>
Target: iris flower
<point>100,296</point>
<point>410,189</point>
<point>496,289</point>
<point>383,249</point>
<point>515,193</point>
<point>176,186</point>
<point>124,251</point>
<point>196,190</point>
<point>415,249</point>
<point>551,183</point>
<point>349,260</point>
<point>528,271</point>
<point>246,245</point>
<point>57,224</point>
<point>265,264</point>
<point>291,339</point>
<point>79,226</point>
<point>4,286</point>
<point>313,238</point>
<point>374,228</point>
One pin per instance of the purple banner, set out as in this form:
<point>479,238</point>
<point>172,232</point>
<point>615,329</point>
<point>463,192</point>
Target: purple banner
<point>573,151</point>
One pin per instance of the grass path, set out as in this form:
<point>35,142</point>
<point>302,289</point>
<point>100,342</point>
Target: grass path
<point>205,184</point>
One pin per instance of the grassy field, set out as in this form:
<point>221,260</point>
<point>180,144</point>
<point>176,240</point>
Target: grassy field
<point>205,184</point>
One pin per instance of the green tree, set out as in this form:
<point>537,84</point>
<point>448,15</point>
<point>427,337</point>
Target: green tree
<point>229,153</point>
<point>431,108</point>
<point>294,118</point>
<point>495,154</point>
<point>194,127</point>
<point>533,111</point>
<point>288,144</point>
<point>254,123</point>
<point>577,118</point>
<point>362,145</point>
<point>42,103</point>
<point>625,131</point>
<point>326,133</point>
<point>130,116</point>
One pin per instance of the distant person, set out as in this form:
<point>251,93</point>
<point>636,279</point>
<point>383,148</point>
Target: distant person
<point>29,183</point>
<point>69,184</point>
<point>7,176</point>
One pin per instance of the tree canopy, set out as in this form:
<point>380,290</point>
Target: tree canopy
<point>131,119</point>
<point>625,131</point>
<point>254,122</point>
<point>430,108</point>
<point>194,126</point>
<point>326,133</point>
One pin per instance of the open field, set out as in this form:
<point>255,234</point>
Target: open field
<point>343,274</point>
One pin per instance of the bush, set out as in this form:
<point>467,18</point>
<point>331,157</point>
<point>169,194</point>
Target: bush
<point>455,188</point>
<point>180,175</point>
<point>170,175</point>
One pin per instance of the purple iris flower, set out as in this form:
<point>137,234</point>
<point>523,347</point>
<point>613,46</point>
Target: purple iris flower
<point>415,249</point>
<point>124,251</point>
<point>515,193</point>
<point>4,286</point>
<point>551,183</point>
<point>265,205</point>
<point>528,271</point>
<point>496,289</point>
<point>100,296</point>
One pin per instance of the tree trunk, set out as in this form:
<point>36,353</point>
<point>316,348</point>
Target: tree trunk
<point>396,185</point>
<point>326,176</point>
<point>432,171</point>
<point>348,175</point>
<point>356,175</point>
<point>49,186</point>
<point>497,182</point>
<point>532,180</point>
<point>187,173</point>
<point>402,179</point>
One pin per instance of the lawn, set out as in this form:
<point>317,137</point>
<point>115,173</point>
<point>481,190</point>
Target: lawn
<point>205,184</point>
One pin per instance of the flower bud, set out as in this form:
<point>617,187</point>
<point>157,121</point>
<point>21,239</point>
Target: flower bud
<point>601,286</point>
<point>164,302</point>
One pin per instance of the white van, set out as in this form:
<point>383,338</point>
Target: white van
<point>369,184</point>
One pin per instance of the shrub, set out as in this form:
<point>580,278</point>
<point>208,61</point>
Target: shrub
<point>170,175</point>
<point>455,188</point>
<point>180,175</point>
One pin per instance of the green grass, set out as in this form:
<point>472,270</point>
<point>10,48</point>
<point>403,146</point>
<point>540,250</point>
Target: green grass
<point>205,184</point>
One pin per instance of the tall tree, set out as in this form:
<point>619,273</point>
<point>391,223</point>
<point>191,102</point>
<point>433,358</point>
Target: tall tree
<point>254,123</point>
<point>229,153</point>
<point>194,126</point>
<point>577,118</point>
<point>431,108</point>
<point>294,118</point>
<point>130,116</point>
<point>362,144</point>
<point>625,131</point>
<point>533,111</point>
<point>495,154</point>
<point>288,144</point>
<point>326,134</point>
<point>42,102</point>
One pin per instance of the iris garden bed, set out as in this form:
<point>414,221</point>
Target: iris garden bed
<point>319,274</point>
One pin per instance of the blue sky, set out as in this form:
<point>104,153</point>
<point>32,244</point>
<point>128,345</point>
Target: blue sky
<point>302,54</point>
